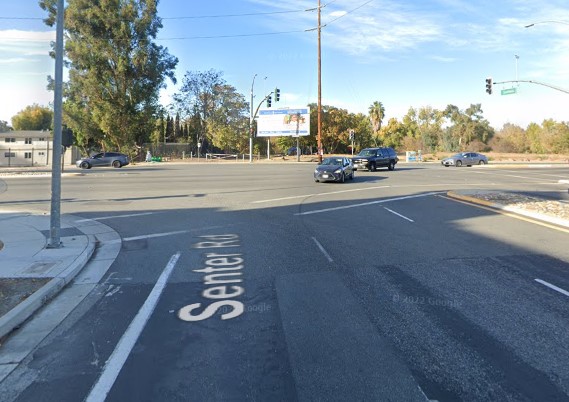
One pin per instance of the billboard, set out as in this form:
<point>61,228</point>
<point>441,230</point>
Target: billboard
<point>283,122</point>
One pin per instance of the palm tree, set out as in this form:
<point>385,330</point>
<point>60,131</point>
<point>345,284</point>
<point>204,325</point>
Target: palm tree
<point>376,115</point>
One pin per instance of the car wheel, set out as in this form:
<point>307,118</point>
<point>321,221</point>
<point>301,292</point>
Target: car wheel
<point>458,163</point>
<point>117,164</point>
<point>372,167</point>
<point>391,165</point>
<point>343,177</point>
<point>85,165</point>
<point>316,180</point>
<point>481,162</point>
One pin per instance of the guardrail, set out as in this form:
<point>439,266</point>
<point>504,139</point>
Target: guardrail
<point>228,157</point>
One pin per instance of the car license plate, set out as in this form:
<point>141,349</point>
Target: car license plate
<point>325,176</point>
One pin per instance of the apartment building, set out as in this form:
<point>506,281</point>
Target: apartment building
<point>31,148</point>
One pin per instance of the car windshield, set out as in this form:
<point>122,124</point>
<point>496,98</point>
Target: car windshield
<point>332,161</point>
<point>461,155</point>
<point>366,152</point>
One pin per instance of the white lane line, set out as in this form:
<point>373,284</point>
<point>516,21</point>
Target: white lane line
<point>365,204</point>
<point>398,214</point>
<point>318,194</point>
<point>149,236</point>
<point>321,247</point>
<point>114,364</point>
<point>113,217</point>
<point>549,285</point>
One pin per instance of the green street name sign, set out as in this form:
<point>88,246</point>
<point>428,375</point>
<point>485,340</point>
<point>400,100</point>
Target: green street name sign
<point>508,91</point>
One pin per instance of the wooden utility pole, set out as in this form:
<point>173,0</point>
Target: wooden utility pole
<point>320,150</point>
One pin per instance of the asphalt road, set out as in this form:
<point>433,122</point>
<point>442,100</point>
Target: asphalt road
<point>252,282</point>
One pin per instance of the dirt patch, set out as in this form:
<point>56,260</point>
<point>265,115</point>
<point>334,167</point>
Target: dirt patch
<point>13,291</point>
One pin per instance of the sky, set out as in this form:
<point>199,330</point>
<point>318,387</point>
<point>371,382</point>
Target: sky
<point>416,53</point>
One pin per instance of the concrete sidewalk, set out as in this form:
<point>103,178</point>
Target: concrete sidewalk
<point>30,273</point>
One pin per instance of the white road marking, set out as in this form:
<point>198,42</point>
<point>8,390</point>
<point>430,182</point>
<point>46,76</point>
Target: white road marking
<point>321,247</point>
<point>102,218</point>
<point>365,204</point>
<point>112,290</point>
<point>149,236</point>
<point>114,364</point>
<point>398,214</point>
<point>318,194</point>
<point>549,285</point>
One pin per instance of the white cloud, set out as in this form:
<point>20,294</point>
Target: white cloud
<point>14,35</point>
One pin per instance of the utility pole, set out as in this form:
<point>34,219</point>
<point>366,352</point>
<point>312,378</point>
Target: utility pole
<point>320,150</point>
<point>55,214</point>
<point>251,123</point>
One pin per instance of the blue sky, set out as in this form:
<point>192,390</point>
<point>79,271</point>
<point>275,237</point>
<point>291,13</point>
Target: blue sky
<point>401,53</point>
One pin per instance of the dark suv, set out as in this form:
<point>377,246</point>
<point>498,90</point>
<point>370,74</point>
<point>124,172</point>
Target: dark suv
<point>373,158</point>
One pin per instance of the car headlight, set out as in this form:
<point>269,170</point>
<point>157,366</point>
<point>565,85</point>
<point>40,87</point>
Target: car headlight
<point>316,171</point>
<point>338,171</point>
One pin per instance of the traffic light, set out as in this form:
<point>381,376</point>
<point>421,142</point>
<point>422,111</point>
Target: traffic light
<point>277,94</point>
<point>269,101</point>
<point>66,137</point>
<point>489,85</point>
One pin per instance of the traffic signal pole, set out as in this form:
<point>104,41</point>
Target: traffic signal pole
<point>535,82</point>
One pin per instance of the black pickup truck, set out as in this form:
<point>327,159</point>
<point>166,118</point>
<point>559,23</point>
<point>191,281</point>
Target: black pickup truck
<point>373,158</point>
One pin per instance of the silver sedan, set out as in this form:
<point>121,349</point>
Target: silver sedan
<point>465,158</point>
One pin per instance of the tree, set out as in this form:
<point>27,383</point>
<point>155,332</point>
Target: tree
<point>210,104</point>
<point>468,126</point>
<point>115,68</point>
<point>376,116</point>
<point>511,138</point>
<point>34,117</point>
<point>4,127</point>
<point>169,132</point>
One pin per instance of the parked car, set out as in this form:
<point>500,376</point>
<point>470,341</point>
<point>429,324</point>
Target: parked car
<point>334,169</point>
<point>292,151</point>
<point>114,159</point>
<point>373,158</point>
<point>465,158</point>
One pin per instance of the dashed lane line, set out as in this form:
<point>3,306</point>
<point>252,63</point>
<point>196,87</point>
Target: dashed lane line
<point>399,215</point>
<point>549,285</point>
<point>323,250</point>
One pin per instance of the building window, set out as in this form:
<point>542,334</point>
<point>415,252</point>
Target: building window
<point>8,139</point>
<point>41,153</point>
<point>28,141</point>
<point>9,154</point>
<point>27,155</point>
<point>41,139</point>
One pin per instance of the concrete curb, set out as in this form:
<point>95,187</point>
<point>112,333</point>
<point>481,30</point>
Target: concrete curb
<point>35,301</point>
<point>518,211</point>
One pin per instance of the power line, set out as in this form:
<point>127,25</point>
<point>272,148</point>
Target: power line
<point>231,36</point>
<point>232,15</point>
<point>348,12</point>
<point>188,17</point>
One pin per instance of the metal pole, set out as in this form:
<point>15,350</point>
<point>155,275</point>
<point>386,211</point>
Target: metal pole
<point>55,216</point>
<point>517,58</point>
<point>251,123</point>
<point>320,151</point>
